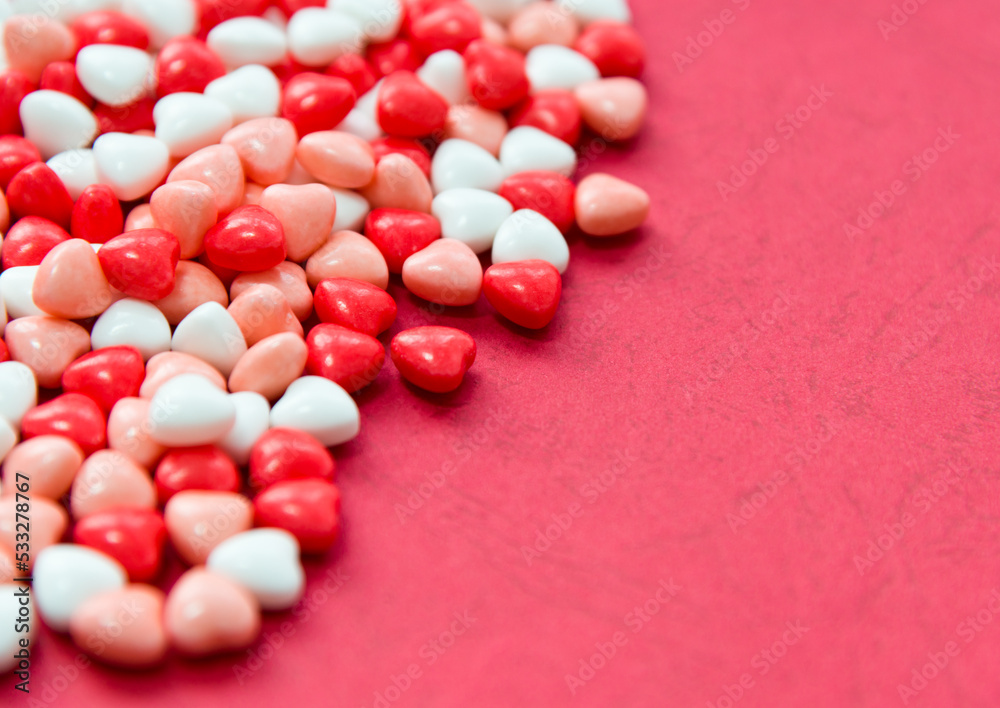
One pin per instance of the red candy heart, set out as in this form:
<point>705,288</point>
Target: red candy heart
<point>61,76</point>
<point>4,354</point>
<point>215,11</point>
<point>97,214</point>
<point>525,292</point>
<point>407,147</point>
<point>316,102</point>
<point>495,75</point>
<point>391,56</point>
<point>408,108</point>
<point>126,119</point>
<point>309,509</point>
<point>71,415</point>
<point>433,358</point>
<point>548,193</point>
<point>141,263</point>
<point>555,111</point>
<point>14,86</point>
<point>354,304</point>
<point>16,153</point>
<point>30,240</point>
<point>348,358</point>
<point>449,26</point>
<point>106,27</point>
<point>106,375</point>
<point>37,191</point>
<point>282,454</point>
<point>356,69</point>
<point>615,48</point>
<point>248,239</point>
<point>186,64</point>
<point>398,234</point>
<point>203,467</point>
<point>133,537</point>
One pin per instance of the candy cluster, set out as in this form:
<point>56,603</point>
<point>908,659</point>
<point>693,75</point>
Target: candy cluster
<point>202,204</point>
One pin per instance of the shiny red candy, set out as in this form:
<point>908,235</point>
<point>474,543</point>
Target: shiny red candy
<point>16,153</point>
<point>555,111</point>
<point>309,509</point>
<point>354,304</point>
<point>317,102</point>
<point>215,11</point>
<point>4,354</point>
<point>30,240</point>
<point>433,358</point>
<point>37,191</point>
<point>248,239</point>
<point>204,467</point>
<point>282,454</point>
<point>398,234</point>
<point>106,375</point>
<point>126,119</point>
<point>356,69</point>
<point>525,292</point>
<point>186,64</point>
<point>141,263</point>
<point>133,537</point>
<point>408,108</point>
<point>450,26</point>
<point>495,75</point>
<point>14,86</point>
<point>71,415</point>
<point>97,214</point>
<point>395,55</point>
<point>615,48</point>
<point>61,76</point>
<point>407,147</point>
<point>548,193</point>
<point>107,27</point>
<point>348,358</point>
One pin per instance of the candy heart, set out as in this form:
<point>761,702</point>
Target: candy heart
<point>499,10</point>
<point>48,524</point>
<point>12,604</point>
<point>134,323</point>
<point>70,283</point>
<point>128,432</point>
<point>66,576</point>
<point>219,167</point>
<point>204,467</point>
<point>265,562</point>
<point>76,169</point>
<point>615,48</point>
<point>187,410</point>
<point>395,55</point>
<point>198,521</point>
<point>48,461</point>
<point>141,263</point>
<point>348,255</point>
<point>337,158</point>
<point>319,407</point>
<point>289,278</point>
<point>14,86</point>
<point>72,415</point>
<point>380,19</point>
<point>122,627</point>
<point>551,66</point>
<point>30,45</point>
<point>115,75</point>
<point>355,69</point>
<point>607,206</point>
<point>29,240</point>
<point>262,311</point>
<point>398,234</point>
<point>248,239</point>
<point>306,213</point>
<point>399,183</point>
<point>133,536</point>
<point>409,108</point>
<point>186,209</point>
<point>247,40</point>
<point>186,64</point>
<point>139,216</point>
<point>459,163</point>
<point>309,509</point>
<point>496,75</point>
<point>549,193</point>
<point>97,214</point>
<point>252,420</point>
<point>433,358</point>
<point>317,36</point>
<point>352,209</point>
<point>252,91</point>
<point>270,365</point>
<point>282,454</point>
<point>37,191</point>
<point>542,23</point>
<point>20,391</point>
<point>186,122</point>
<point>447,272</point>
<point>266,147</point>
<point>444,72</point>
<point>443,26</point>
<point>613,108</point>
<point>47,345</point>
<point>588,11</point>
<point>214,12</point>
<point>350,359</point>
<point>8,438</point>
<point>526,148</point>
<point>525,292</point>
<point>210,333</point>
<point>166,365</point>
<point>128,119</point>
<point>16,153</point>
<point>103,27</point>
<point>106,375</point>
<point>207,613</point>
<point>164,20</point>
<point>477,125</point>
<point>410,147</point>
<point>316,102</point>
<point>527,235</point>
<point>354,304</point>
<point>555,111</point>
<point>362,125</point>
<point>133,165</point>
<point>471,216</point>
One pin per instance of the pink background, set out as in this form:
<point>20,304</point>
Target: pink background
<point>732,343</point>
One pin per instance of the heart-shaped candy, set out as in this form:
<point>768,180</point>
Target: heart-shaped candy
<point>380,19</point>
<point>218,167</point>
<point>289,278</point>
<point>433,358</point>
<point>247,40</point>
<point>29,240</point>
<point>306,213</point>
<point>253,417</point>
<point>355,304</point>
<point>352,209</point>
<point>67,575</point>
<point>141,263</point>
<point>70,282</point>
<point>31,44</point>
<point>73,415</point>
<point>270,365</point>
<point>115,75</point>
<point>188,410</point>
<point>525,292</point>
<point>204,467</point>
<point>348,358</point>
<point>282,454</point>
<point>37,191</point>
<point>317,36</point>
<point>56,122</point>
<point>337,158</point>
<point>207,613</point>
<point>549,193</point>
<point>186,122</point>
<point>210,333</point>
<point>587,11</point>
<point>613,108</point>
<point>97,214</point>
<point>76,169</point>
<point>133,165</point>
<point>319,407</point>
<point>265,562</point>
<point>187,209</point>
<point>163,20</point>
<point>316,102</point>
<point>48,461</point>
<point>527,235</point>
<point>133,536</point>
<point>444,72</point>
<point>199,520</point>
<point>20,391</point>
<point>110,480</point>
<point>347,254</point>
<point>133,323</point>
<point>128,432</point>
<point>527,148</point>
<point>252,91</point>
<point>106,375</point>
<point>459,163</point>
<point>48,524</point>
<point>408,108</point>
<point>496,74</point>
<point>267,148</point>
<point>398,183</point>
<point>122,627</point>
<point>472,216</point>
<point>262,311</point>
<point>249,239</point>
<point>477,125</point>
<point>46,344</point>
<point>398,234</point>
<point>447,272</point>
<point>552,66</point>
<point>309,509</point>
<point>608,206</point>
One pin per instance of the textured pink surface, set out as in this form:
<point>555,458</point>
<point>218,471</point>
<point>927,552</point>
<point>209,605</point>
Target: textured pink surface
<point>734,343</point>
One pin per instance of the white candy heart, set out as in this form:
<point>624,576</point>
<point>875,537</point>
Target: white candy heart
<point>187,122</point>
<point>527,148</point>
<point>247,40</point>
<point>319,407</point>
<point>56,122</point>
<point>20,391</point>
<point>459,163</point>
<point>15,604</point>
<point>77,169</point>
<point>189,410</point>
<point>360,124</point>
<point>134,323</point>
<point>317,36</point>
<point>71,9</point>
<point>525,235</point>
<point>379,19</point>
<point>472,216</point>
<point>210,333</point>
<point>16,285</point>
<point>588,11</point>
<point>352,209</point>
<point>252,91</point>
<point>265,562</point>
<point>133,165</point>
<point>253,418</point>
<point>445,73</point>
<point>165,19</point>
<point>115,74</point>
<point>553,66</point>
<point>500,10</point>
<point>66,575</point>
<point>8,438</point>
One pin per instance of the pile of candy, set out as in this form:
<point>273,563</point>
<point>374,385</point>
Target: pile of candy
<point>205,202</point>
